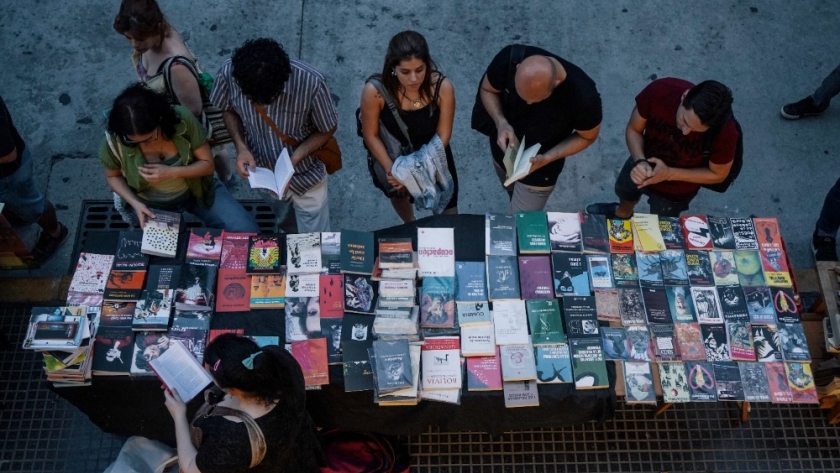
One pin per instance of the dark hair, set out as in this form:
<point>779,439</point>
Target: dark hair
<point>141,19</point>
<point>261,68</point>
<point>138,110</point>
<point>266,381</point>
<point>711,101</point>
<point>405,46</point>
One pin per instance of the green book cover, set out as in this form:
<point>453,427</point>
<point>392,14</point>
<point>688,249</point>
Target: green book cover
<point>357,252</point>
<point>545,321</point>
<point>532,232</point>
<point>588,364</point>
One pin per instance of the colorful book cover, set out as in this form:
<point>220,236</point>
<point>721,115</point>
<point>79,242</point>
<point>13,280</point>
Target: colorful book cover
<point>117,313</point>
<point>701,381</point>
<point>205,246</point>
<point>311,355</point>
<point>760,305</point>
<point>532,232</point>
<point>673,379</point>
<point>768,234</point>
<point>748,265</point>
<point>234,250</point>
<point>728,380</point>
<point>153,310</point>
<point>672,234</point>
<point>264,254</point>
<point>233,288</point>
<point>545,321</point>
<point>510,320</point>
<point>664,344</point>
<point>124,284</point>
<point>721,230</point>
<point>128,256</point>
<point>396,253</point>
<point>620,232</point>
<point>303,318</point>
<point>776,270</point>
<point>436,252</point>
<point>638,383</point>
<point>554,364</point>
<point>484,373</point>
<point>593,230</point>
<point>588,366</point>
<point>91,273</point>
<point>723,267</point>
<point>674,268</point>
<point>437,302</point>
<point>564,231</point>
<point>518,363</point>
<point>331,330</point>
<point>113,348</point>
<point>689,339</point>
<point>657,310</point>
<point>471,281</point>
<point>473,313</point>
<point>784,303</point>
<point>194,340</point>
<point>330,253</point>
<point>793,343</point>
<point>624,269</point>
<point>502,278</point>
<point>707,305</point>
<point>766,342</point>
<point>303,253</point>
<point>777,381</point>
<point>600,272</point>
<point>360,294</point>
<point>581,317</point>
<point>699,268</point>
<point>650,269</point>
<point>630,307</point>
<point>679,301</point>
<point>331,297</point>
<point>648,232</point>
<point>740,341</point>
<point>607,305</point>
<point>696,232</point>
<point>571,275</point>
<point>733,303</point>
<point>499,234</point>
<point>754,380</point>
<point>535,277</point>
<point>615,343</point>
<point>801,382</point>
<point>744,233</point>
<point>638,336</point>
<point>357,252</point>
<point>267,291</point>
<point>716,342</point>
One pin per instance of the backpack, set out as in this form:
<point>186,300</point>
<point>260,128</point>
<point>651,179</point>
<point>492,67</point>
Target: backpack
<point>737,162</point>
<point>480,120</point>
<point>361,452</point>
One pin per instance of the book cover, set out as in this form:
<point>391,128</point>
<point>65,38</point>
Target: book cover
<point>777,381</point>
<point>638,383</point>
<point>153,310</point>
<point>664,344</point>
<point>699,268</point>
<point>471,281</point>
<point>473,313</point>
<point>124,284</point>
<point>588,366</point>
<point>638,336</point>
<point>510,321</point>
<point>689,339</point>
<point>91,273</point>
<point>393,365</point>
<point>196,319</point>
<point>303,285</point>
<point>357,252</point>
<point>776,269</point>
<point>331,330</point>
<point>674,268</point>
<point>331,296</point>
<point>696,232</point>
<point>620,233</point>
<point>311,355</point>
<point>673,379</point>
<point>701,381</point>
<point>478,340</point>
<point>397,289</point>
<point>518,363</point>
<point>571,275</point>
<point>436,252</point>
<point>733,303</point>
<point>624,269</point>
<point>330,253</point>
<point>521,394</point>
<point>767,233</point>
<point>179,371</point>
<point>441,362</point>
<point>264,254</point>
<point>484,373</point>
<point>707,305</point>
<point>721,231</point>
<point>748,265</point>
<point>600,272</point>
<point>615,343</point>
<point>532,232</point>
<point>162,276</point>
<point>607,305</point>
<point>784,304</point>
<point>535,277</point>
<point>554,364</point>
<point>581,317</point>
<point>205,246</point>
<point>160,234</point>
<point>801,382</point>
<point>113,348</point>
<point>792,342</point>
<point>216,332</point>
<point>754,381</point>
<point>630,308</point>
<point>593,229</point>
<point>766,342</point>
<point>437,302</point>
<point>744,233</point>
<point>564,231</point>
<point>499,234</point>
<point>117,313</point>
<point>234,290</point>
<point>657,310</point>
<point>358,375</point>
<point>648,232</point>
<point>650,269</point>
<point>740,341</point>
<point>672,234</point>
<point>357,328</point>
<point>303,319</point>
<point>716,342</point>
<point>196,288</point>
<point>395,253</point>
<point>267,291</point>
<point>728,381</point>
<point>147,347</point>
<point>545,322</point>
<point>723,267</point>
<point>303,253</point>
<point>502,278</point>
<point>234,250</point>
<point>128,256</point>
<point>194,340</point>
<point>679,301</point>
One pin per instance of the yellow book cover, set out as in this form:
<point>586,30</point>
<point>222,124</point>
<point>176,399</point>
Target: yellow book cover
<point>647,232</point>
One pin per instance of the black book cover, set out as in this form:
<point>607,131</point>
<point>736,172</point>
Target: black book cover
<point>630,306</point>
<point>794,345</point>
<point>581,317</point>
<point>625,272</point>
<point>716,342</point>
<point>594,232</point>
<point>113,348</point>
<point>722,237</point>
<point>196,290</point>
<point>766,342</point>
<point>674,268</point>
<point>358,375</point>
<point>357,328</point>
<point>699,268</point>
<point>128,256</point>
<point>502,278</point>
<point>571,275</point>
<point>701,381</point>
<point>657,309</point>
<point>332,329</point>
<point>744,232</point>
<point>163,276</point>
<point>393,365</point>
<point>785,305</point>
<point>650,269</point>
<point>672,234</point>
<point>359,293</point>
<point>663,342</point>
<point>728,380</point>
<point>733,302</point>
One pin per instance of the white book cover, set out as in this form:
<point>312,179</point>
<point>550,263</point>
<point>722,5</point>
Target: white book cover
<point>275,181</point>
<point>179,370</point>
<point>478,340</point>
<point>564,231</point>
<point>511,322</point>
<point>302,285</point>
<point>451,396</point>
<point>518,362</point>
<point>397,288</point>
<point>303,253</point>
<point>521,394</point>
<point>436,252</point>
<point>441,363</point>
<point>517,161</point>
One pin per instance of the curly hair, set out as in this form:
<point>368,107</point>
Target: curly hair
<point>261,68</point>
<point>141,19</point>
<point>405,46</point>
<point>138,110</point>
<point>711,101</point>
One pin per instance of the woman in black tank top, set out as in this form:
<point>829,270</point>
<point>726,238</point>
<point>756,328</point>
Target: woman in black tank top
<point>425,101</point>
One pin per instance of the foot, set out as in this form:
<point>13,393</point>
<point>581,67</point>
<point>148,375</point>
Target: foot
<point>825,247</point>
<point>606,209</point>
<point>803,108</point>
<point>47,244</point>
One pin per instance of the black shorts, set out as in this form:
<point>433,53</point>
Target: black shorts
<point>627,190</point>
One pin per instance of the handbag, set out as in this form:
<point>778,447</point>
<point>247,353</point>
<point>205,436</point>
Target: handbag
<point>209,409</point>
<point>480,120</point>
<point>212,117</point>
<point>141,455</point>
<point>329,153</point>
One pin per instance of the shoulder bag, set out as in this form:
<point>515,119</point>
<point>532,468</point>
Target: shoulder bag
<point>212,117</point>
<point>329,153</point>
<point>255,435</point>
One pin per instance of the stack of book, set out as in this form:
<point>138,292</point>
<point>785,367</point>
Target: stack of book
<point>357,261</point>
<point>395,365</point>
<point>397,312</point>
<point>62,335</point>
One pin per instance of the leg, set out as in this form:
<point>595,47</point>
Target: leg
<point>829,220</point>
<point>226,213</point>
<point>284,213</point>
<point>312,209</point>
<point>405,210</point>
<point>666,208</point>
<point>527,197</point>
<point>221,159</point>
<point>628,195</point>
<point>828,89</point>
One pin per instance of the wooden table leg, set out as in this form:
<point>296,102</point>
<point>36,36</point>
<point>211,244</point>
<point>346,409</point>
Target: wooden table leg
<point>662,407</point>
<point>745,411</point>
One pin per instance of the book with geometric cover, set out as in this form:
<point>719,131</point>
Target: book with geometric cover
<point>588,366</point>
<point>535,277</point>
<point>664,345</point>
<point>728,380</point>
<point>554,364</point>
<point>672,233</point>
<point>733,303</point>
<point>740,341</point>
<point>499,234</point>
<point>701,381</point>
<point>754,380</point>
<point>766,342</point>
<point>638,383</point>
<point>484,373</point>
<point>679,301</point>
<point>630,307</point>
<point>793,343</point>
<point>502,278</point>
<point>650,269</point>
<point>621,235</point>
<point>581,317</point>
<point>160,234</point>
<point>715,340</point>
<point>607,305</point>
<point>723,267</point>
<point>638,336</point>
<point>696,232</point>
<point>744,233</point>
<point>689,339</point>
<point>777,382</point>
<point>625,272</point>
<point>760,305</point>
<point>748,264</point>
<point>564,231</point>
<point>471,281</point>
<point>721,229</point>
<point>205,246</point>
<point>674,268</point>
<point>570,274</point>
<point>518,363</point>
<point>699,268</point>
<point>264,254</point>
<point>801,382</point>
<point>594,234</point>
<point>707,305</point>
<point>532,232</point>
<point>673,378</point>
<point>615,343</point>
<point>656,306</point>
<point>303,253</point>
<point>545,322</point>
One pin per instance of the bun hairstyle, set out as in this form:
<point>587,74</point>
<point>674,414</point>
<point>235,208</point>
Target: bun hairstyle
<point>141,19</point>
<point>405,46</point>
<point>265,380</point>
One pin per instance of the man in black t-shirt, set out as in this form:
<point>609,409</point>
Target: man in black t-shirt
<point>533,94</point>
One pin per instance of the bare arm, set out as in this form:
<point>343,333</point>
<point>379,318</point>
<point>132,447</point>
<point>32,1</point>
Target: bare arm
<point>446,102</point>
<point>118,184</point>
<point>492,101</point>
<point>311,144</point>
<point>183,441</point>
<point>244,158</point>
<point>9,157</point>
<point>574,143</point>
<point>713,174</point>
<point>186,88</point>
<point>634,135</point>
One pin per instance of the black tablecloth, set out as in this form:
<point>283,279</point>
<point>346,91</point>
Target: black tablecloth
<point>134,406</point>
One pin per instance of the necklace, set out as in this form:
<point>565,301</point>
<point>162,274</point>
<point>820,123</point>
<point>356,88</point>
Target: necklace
<point>414,102</point>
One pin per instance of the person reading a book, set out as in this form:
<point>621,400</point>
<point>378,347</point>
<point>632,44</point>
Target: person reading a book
<point>156,156</point>
<point>681,136</point>
<point>529,94</point>
<point>266,384</point>
<point>412,90</point>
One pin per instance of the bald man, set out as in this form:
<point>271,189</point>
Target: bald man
<point>529,92</point>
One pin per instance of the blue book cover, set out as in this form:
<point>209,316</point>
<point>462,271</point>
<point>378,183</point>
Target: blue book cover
<point>470,281</point>
<point>502,278</point>
<point>615,343</point>
<point>680,303</point>
<point>650,269</point>
<point>571,274</point>
<point>554,364</point>
<point>674,268</point>
<point>437,302</point>
<point>760,305</point>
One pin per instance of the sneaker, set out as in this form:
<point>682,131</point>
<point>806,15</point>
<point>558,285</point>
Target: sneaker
<point>825,247</point>
<point>803,108</point>
<point>606,209</point>
<point>47,245</point>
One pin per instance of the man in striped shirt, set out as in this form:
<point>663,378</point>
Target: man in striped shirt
<point>295,97</point>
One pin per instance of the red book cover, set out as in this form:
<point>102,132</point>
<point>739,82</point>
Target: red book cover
<point>777,381</point>
<point>690,341</point>
<point>311,355</point>
<point>332,296</point>
<point>776,270</point>
<point>535,277</point>
<point>233,291</point>
<point>696,232</point>
<point>235,250</point>
<point>767,232</point>
<point>621,235</point>
<point>221,331</point>
<point>484,373</point>
<point>205,245</point>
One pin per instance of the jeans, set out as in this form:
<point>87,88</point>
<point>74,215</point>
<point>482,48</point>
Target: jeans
<point>828,89</point>
<point>829,220</point>
<point>24,202</point>
<point>312,209</point>
<point>627,190</point>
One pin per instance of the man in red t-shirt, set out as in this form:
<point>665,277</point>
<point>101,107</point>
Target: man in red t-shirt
<point>674,125</point>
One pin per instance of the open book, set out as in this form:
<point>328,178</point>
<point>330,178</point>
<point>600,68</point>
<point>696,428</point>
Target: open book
<point>178,369</point>
<point>263,178</point>
<point>517,161</point>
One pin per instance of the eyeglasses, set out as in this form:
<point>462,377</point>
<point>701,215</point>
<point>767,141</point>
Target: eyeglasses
<point>129,142</point>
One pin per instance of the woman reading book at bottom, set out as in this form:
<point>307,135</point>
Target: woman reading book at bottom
<point>156,156</point>
<point>267,385</point>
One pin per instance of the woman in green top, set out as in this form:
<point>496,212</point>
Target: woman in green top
<point>156,156</point>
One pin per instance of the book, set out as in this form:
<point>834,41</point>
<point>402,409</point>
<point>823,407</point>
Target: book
<point>303,320</point>
<point>196,288</point>
<point>441,362</point>
<point>91,273</point>
<point>767,233</point>
<point>510,321</point>
<point>680,304</point>
<point>728,381</point>
<point>117,313</point>
<point>532,232</point>
<point>615,344</point>
<point>484,373</point>
<point>784,304</point>
<point>234,250</point>
<point>699,268</point>
<point>638,383</point>
<point>397,289</point>
<point>755,383</point>
<point>674,268</point>
<point>657,310</point>
<point>304,285</point>
<point>801,382</point>
<point>517,161</point>
<point>648,232</point>
<point>600,272</point>
<point>124,284</point>
<point>357,328</point>
<point>571,275</point>
<point>518,363</point>
<point>545,322</point>
<point>723,267</point>
<point>112,351</point>
<point>624,269</point>
<point>744,234</point>
<point>311,355</point>
<point>554,364</point>
<point>766,342</point>
<point>153,310</point>
<point>473,313</point>
<point>620,233</point>
<point>673,379</point>
<point>638,337</point>
<point>502,278</point>
<point>160,234</point>
<point>721,233</point>
<point>696,232</point>
<point>265,292</point>
<point>499,234</point>
<point>471,281</point>
<point>581,317</point>
<point>359,293</point>
<point>630,308</point>
<point>330,253</point>
<point>196,319</point>
<point>331,295</point>
<point>733,303</point>
<point>607,305</point>
<point>588,366</point>
<point>303,253</point>
<point>331,330</point>
<point>671,231</point>
<point>521,394</point>
<point>478,340</point>
<point>792,342</point>
<point>665,348</point>
<point>535,277</point>
<point>393,366</point>
<point>650,269</point>
<point>564,231</point>
<point>740,341</point>
<point>264,254</point>
<point>593,229</point>
<point>204,246</point>
<point>395,253</point>
<point>437,302</point>
<point>56,328</point>
<point>776,269</point>
<point>357,252</point>
<point>358,375</point>
<point>777,382</point>
<point>748,266</point>
<point>193,339</point>
<point>233,290</point>
<point>701,381</point>
<point>689,338</point>
<point>715,339</point>
<point>277,180</point>
<point>179,371</point>
<point>128,256</point>
<point>707,305</point>
<point>436,252</point>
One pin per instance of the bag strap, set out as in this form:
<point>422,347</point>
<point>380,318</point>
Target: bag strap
<point>283,137</point>
<point>115,148</point>
<point>166,68</point>
<point>374,80</point>
<point>255,434</point>
<point>517,54</point>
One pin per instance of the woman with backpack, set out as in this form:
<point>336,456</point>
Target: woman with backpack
<point>403,109</point>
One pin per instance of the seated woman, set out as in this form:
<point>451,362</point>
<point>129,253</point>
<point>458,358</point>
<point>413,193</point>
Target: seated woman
<point>425,100</point>
<point>267,384</point>
<point>156,155</point>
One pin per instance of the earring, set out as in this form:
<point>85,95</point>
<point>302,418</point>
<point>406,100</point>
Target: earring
<point>393,73</point>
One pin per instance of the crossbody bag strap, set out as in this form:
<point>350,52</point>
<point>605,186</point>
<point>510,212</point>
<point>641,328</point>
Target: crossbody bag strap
<point>389,101</point>
<point>283,137</point>
<point>114,147</point>
<point>255,434</point>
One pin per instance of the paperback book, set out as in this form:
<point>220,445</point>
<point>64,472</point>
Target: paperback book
<point>744,233</point>
<point>545,322</point>
<point>196,288</point>
<point>755,382</point>
<point>665,348</point>
<point>707,305</point>
<point>484,373</point>
<point>766,342</point>
<point>358,374</point>
<point>129,256</point>
<point>728,381</point>
<point>594,233</point>
<point>638,337</point>
<point>571,275</point>
<point>471,281</point>
<point>672,234</point>
<point>784,305</point>
<point>716,342</point>
<point>393,366</point>
<point>657,310</point>
<point>112,350</point>
<point>436,252</point>
<point>801,382</point>
<point>588,366</point>
<point>767,233</point>
<point>437,302</point>
<point>721,231</point>
<point>607,305</point>
<point>650,269</point>
<point>265,292</point>
<point>331,297</point>
<point>581,317</point>
<point>233,289</point>
<point>624,269</point>
<point>564,231</point>
<point>532,232</point>
<point>478,340</point>
<point>499,234</point>
<point>740,341</point>
<point>303,253</point>
<point>792,342</point>
<point>234,251</point>
<point>357,252</point>
<point>396,253</point>
<point>701,381</point>
<point>153,310</point>
<point>776,270</point>
<point>674,268</point>
<point>648,232</point>
<point>554,364</point>
<point>696,232</point>
<point>679,301</point>
<point>510,321</point>
<point>723,267</point>
<point>733,303</point>
<point>117,313</point>
<point>311,355</point>
<point>631,308</point>
<point>689,339</point>
<point>91,273</point>
<point>125,285</point>
<point>615,343</point>
<point>777,381</point>
<point>535,277</point>
<point>673,379</point>
<point>748,265</point>
<point>521,394</point>
<point>359,293</point>
<point>600,272</point>
<point>620,232</point>
<point>264,254</point>
<point>473,313</point>
<point>638,383</point>
<point>178,370</point>
<point>160,234</point>
<point>699,268</point>
<point>205,246</point>
<point>518,363</point>
<point>441,361</point>
<point>502,278</point>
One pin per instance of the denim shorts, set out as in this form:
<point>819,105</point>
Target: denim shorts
<point>627,190</point>
<point>24,202</point>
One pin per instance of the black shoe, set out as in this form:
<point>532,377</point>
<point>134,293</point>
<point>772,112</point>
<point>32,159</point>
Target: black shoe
<point>803,108</point>
<point>606,209</point>
<point>825,248</point>
<point>47,245</point>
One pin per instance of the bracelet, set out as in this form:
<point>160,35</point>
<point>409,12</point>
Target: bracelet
<point>643,160</point>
